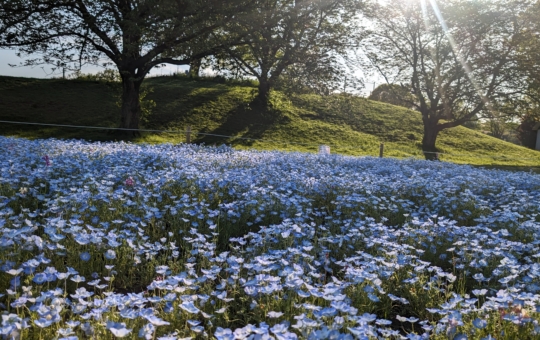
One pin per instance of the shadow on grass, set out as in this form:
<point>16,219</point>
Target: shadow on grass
<point>243,125</point>
<point>33,132</point>
<point>535,169</point>
<point>178,106</point>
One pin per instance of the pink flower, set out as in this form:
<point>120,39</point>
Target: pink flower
<point>47,160</point>
<point>130,182</point>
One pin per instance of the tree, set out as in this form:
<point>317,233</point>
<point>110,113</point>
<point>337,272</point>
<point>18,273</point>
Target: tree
<point>394,94</point>
<point>321,77</point>
<point>529,63</point>
<point>305,34</point>
<point>133,35</point>
<point>458,59</point>
<point>525,133</point>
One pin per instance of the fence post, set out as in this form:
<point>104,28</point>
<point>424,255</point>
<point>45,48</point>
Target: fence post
<point>324,150</point>
<point>188,134</point>
<point>381,150</point>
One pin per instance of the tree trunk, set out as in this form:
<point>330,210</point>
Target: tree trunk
<point>131,106</point>
<point>431,131</point>
<point>194,68</point>
<point>263,97</point>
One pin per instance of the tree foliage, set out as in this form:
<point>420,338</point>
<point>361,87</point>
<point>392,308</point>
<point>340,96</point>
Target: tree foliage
<point>394,94</point>
<point>525,133</point>
<point>133,35</point>
<point>296,39</point>
<point>458,59</point>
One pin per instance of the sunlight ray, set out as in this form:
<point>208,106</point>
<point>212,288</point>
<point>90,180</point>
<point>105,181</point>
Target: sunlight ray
<point>467,68</point>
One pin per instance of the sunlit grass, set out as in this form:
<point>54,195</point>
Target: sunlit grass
<point>349,125</point>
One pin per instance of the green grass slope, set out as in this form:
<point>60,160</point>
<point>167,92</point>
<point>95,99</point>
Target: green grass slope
<point>350,125</point>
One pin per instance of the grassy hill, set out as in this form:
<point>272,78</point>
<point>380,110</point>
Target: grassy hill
<point>350,125</point>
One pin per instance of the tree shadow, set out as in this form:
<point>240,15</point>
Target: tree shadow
<point>242,125</point>
<point>180,108</point>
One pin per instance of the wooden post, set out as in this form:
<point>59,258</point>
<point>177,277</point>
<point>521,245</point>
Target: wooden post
<point>324,150</point>
<point>188,134</point>
<point>381,150</point>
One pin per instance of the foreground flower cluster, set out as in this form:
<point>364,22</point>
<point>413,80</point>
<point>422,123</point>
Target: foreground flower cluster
<point>104,241</point>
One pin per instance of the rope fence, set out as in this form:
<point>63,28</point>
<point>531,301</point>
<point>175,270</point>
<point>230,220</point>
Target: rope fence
<point>325,149</point>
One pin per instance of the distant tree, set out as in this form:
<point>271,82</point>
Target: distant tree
<point>323,78</point>
<point>293,38</point>
<point>529,51</point>
<point>133,35</point>
<point>529,63</point>
<point>497,127</point>
<point>394,94</point>
<point>473,125</point>
<point>525,132</point>
<point>458,59</point>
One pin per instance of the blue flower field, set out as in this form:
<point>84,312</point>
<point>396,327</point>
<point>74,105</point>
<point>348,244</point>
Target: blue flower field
<point>116,240</point>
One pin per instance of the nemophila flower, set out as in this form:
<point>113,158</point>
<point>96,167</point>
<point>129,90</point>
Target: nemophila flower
<point>404,319</point>
<point>479,323</point>
<point>72,323</point>
<point>383,322</point>
<point>85,256</point>
<point>47,316</point>
<point>193,322</point>
<point>156,321</point>
<point>40,278</point>
<point>147,331</point>
<point>278,191</point>
<point>14,272</point>
<point>12,325</point>
<point>367,318</point>
<point>223,334</point>
<point>197,329</point>
<point>172,336</point>
<point>479,292</point>
<point>273,314</point>
<point>118,329</point>
<point>373,297</point>
<point>412,336</point>
<point>189,307</point>
<point>77,278</point>
<point>129,313</point>
<point>397,298</point>
<point>110,254</point>
<point>65,331</point>
<point>15,282</point>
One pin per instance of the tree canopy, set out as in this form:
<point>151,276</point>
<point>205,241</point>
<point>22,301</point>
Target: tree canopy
<point>133,35</point>
<point>459,59</point>
<point>394,94</point>
<point>296,36</point>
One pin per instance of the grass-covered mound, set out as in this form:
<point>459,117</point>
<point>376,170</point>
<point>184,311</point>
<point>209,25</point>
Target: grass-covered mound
<point>350,125</point>
<point>122,240</point>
